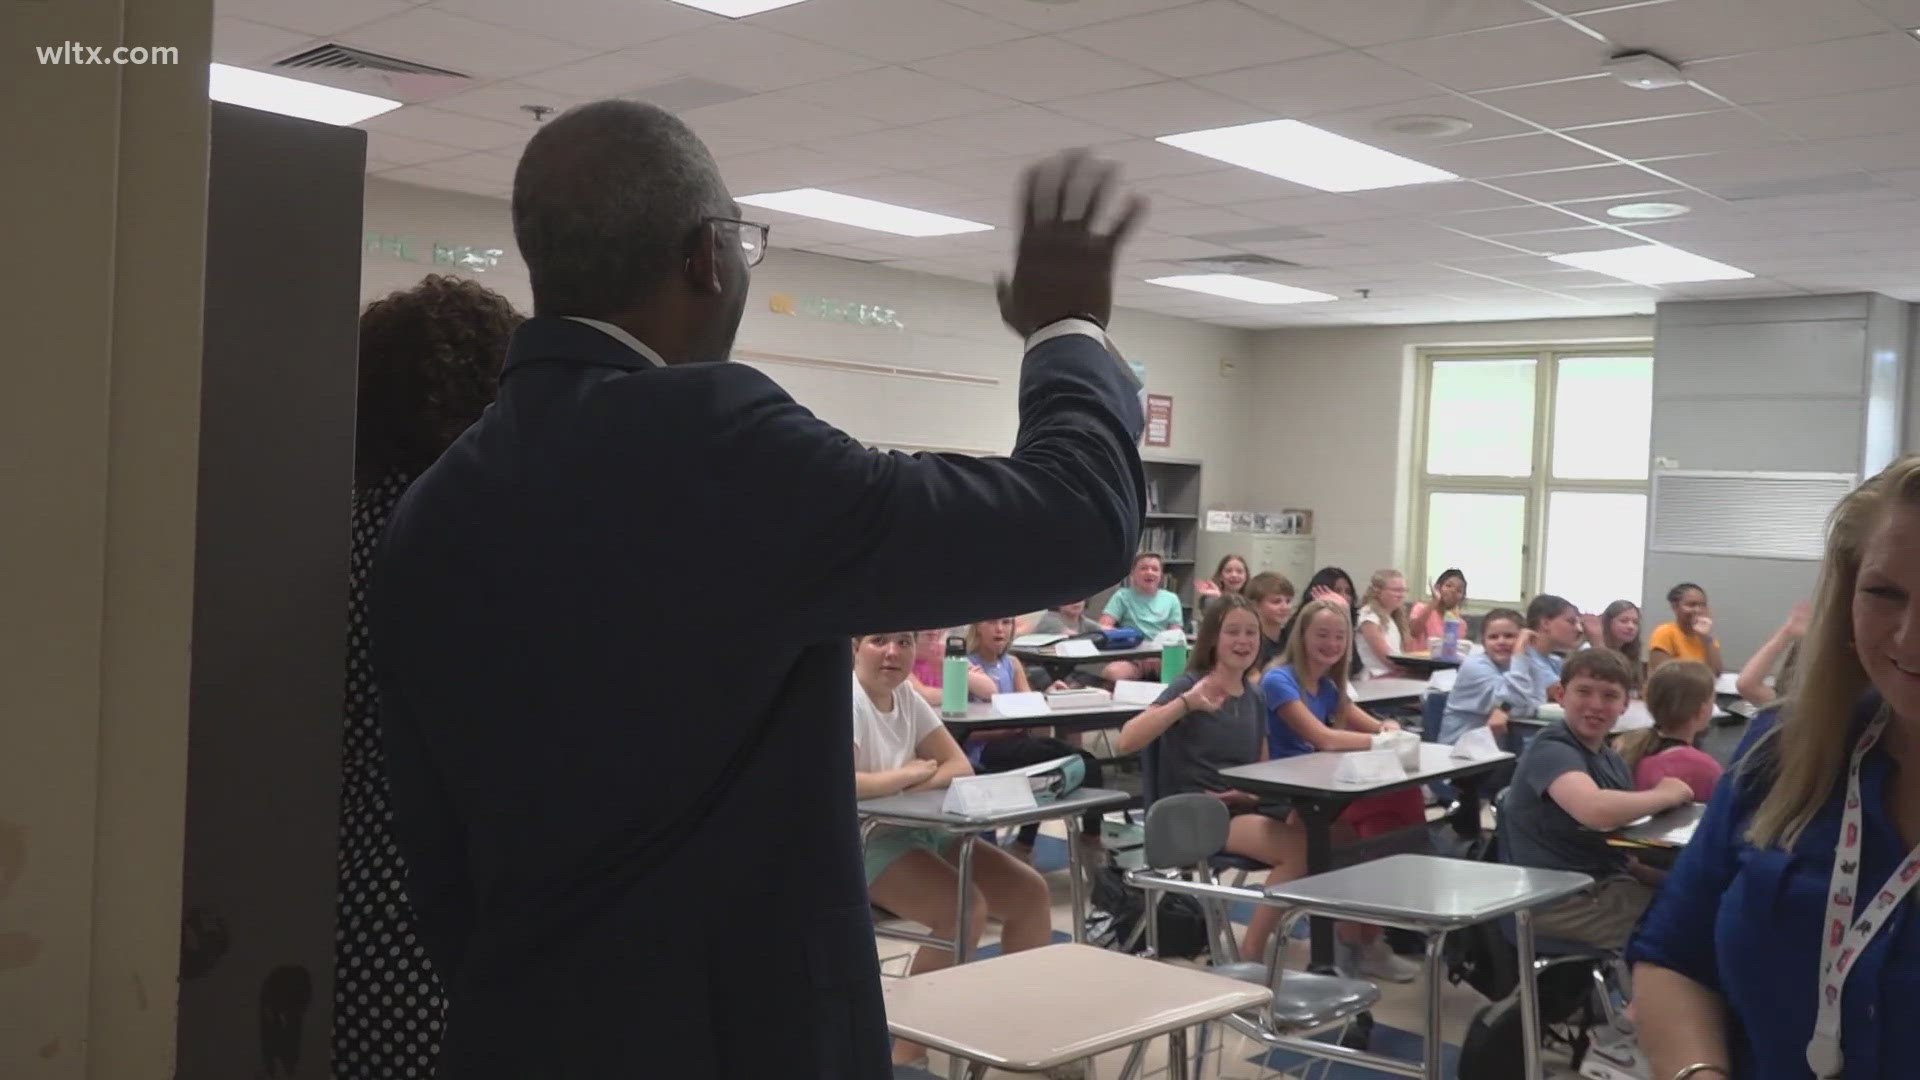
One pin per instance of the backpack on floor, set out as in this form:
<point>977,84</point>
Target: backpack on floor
<point>1113,922</point>
<point>1493,1048</point>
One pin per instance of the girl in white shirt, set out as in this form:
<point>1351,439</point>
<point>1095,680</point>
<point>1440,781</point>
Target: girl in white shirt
<point>900,745</point>
<point>1383,623</point>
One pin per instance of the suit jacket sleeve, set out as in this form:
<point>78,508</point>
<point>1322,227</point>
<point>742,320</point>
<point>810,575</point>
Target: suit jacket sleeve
<point>884,540</point>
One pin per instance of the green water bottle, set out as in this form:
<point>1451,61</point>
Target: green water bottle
<point>1173,661</point>
<point>953,680</point>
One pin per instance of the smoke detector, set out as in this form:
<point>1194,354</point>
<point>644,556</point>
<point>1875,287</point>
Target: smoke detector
<point>1645,71</point>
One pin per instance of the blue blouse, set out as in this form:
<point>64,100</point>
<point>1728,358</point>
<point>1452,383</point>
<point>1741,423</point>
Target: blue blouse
<point>1281,686</point>
<point>1746,923</point>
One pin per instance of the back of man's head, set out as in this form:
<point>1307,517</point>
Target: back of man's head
<point>604,201</point>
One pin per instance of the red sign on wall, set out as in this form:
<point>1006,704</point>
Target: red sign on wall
<point>1159,420</point>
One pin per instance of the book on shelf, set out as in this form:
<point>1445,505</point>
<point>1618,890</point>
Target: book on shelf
<point>1153,496</point>
<point>1164,539</point>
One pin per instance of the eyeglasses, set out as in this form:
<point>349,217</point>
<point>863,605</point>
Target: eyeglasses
<point>752,235</point>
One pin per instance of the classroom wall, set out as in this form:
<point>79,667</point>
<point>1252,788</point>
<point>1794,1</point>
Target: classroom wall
<point>951,328</point>
<point>1334,417</point>
<point>1793,384</point>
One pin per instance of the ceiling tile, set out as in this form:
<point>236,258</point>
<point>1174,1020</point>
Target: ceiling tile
<point>750,56</point>
<point>1688,30</point>
<point>1595,182</point>
<point>1569,241</point>
<point>428,177</point>
<point>607,75</point>
<point>1024,129</point>
<point>495,168</point>
<point>1701,133</point>
<point>1052,17</point>
<point>1364,124</point>
<point>1203,219</point>
<point>1225,186</point>
<point>897,95</point>
<point>1597,99</point>
<point>1036,69</point>
<point>1376,22</point>
<point>910,189</point>
<point>777,117</point>
<point>785,167</point>
<point>310,18</point>
<point>1310,211</point>
<point>460,44</point>
<point>1217,35</point>
<point>1144,159</point>
<point>1506,156</point>
<point>387,149</point>
<point>1318,84</point>
<point>1444,197</point>
<point>896,31</point>
<point>1160,109</point>
<point>901,148</point>
<point>1509,56</point>
<point>1831,67</point>
<point>252,44</point>
<point>602,24</point>
<point>452,129</point>
<point>1513,219</point>
<point>502,100</point>
<point>1871,112</point>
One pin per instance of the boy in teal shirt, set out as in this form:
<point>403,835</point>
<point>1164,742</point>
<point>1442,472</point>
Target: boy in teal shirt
<point>1143,604</point>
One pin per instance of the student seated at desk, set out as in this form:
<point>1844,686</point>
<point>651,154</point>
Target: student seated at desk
<point>1309,710</point>
<point>1213,718</point>
<point>1145,606</point>
<point>1383,624</point>
<point>998,751</point>
<point>1569,790</point>
<point>1554,628</point>
<point>1491,687</point>
<point>899,745</point>
<point>1272,597</point>
<point>1690,635</point>
<point>1069,619</point>
<point>1782,649</point>
<point>1230,576</point>
<point>1430,617</point>
<point>1680,698</point>
<point>1617,628</point>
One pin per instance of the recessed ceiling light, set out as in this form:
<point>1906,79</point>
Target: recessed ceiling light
<point>1652,264</point>
<point>1235,287</point>
<point>1649,211</point>
<point>293,97</point>
<point>863,213</point>
<point>736,9</point>
<point>1420,126</point>
<point>1307,155</point>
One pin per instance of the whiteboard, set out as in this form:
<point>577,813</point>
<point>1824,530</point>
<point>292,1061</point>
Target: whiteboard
<point>1760,515</point>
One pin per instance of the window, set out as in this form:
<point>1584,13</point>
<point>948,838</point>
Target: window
<point>1531,472</point>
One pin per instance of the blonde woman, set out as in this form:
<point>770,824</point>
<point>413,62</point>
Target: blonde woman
<point>1785,943</point>
<point>1383,623</point>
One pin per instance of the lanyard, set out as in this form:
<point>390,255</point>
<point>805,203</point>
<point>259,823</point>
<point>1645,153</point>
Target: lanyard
<point>1844,939</point>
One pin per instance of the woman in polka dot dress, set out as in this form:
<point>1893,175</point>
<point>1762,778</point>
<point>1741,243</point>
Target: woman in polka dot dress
<point>429,360</point>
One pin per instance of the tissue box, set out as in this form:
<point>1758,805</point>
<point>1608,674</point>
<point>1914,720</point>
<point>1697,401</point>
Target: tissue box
<point>1369,767</point>
<point>1476,745</point>
<point>985,796</point>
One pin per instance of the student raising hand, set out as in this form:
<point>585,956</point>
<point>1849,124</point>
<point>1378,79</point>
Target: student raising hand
<point>1209,694</point>
<point>1321,592</point>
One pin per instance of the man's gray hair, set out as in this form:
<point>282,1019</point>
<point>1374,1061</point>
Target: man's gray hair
<point>604,200</point>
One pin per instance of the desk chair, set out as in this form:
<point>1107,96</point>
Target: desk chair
<point>1221,861</point>
<point>1183,831</point>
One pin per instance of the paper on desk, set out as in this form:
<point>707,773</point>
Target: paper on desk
<point>1727,683</point>
<point>1037,641</point>
<point>1442,680</point>
<point>1131,692</point>
<point>1076,647</point>
<point>1369,767</point>
<point>985,796</point>
<point>1015,706</point>
<point>1476,745</point>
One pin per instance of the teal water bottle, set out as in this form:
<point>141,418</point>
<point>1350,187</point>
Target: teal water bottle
<point>953,680</point>
<point>1173,661</point>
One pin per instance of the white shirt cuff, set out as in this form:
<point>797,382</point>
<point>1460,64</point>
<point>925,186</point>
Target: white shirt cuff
<point>1064,327</point>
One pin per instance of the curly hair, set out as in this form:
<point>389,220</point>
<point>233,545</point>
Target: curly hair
<point>430,361</point>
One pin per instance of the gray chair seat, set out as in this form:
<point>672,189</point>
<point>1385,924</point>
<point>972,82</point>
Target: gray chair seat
<point>1305,1001</point>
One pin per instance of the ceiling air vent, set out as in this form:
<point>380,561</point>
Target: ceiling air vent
<point>371,73</point>
<point>1238,264</point>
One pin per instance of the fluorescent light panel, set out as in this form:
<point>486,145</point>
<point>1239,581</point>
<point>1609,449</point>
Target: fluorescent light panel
<point>293,97</point>
<point>735,9</point>
<point>863,213</point>
<point>1235,287</point>
<point>1307,155</point>
<point>1652,264</point>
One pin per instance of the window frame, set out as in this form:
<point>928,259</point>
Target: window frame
<point>1537,488</point>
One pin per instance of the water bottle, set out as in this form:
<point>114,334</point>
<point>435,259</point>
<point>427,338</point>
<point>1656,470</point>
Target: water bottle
<point>953,680</point>
<point>1450,643</point>
<point>1173,660</point>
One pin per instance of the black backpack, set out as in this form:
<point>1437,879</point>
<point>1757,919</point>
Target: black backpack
<point>1493,1048</point>
<point>1114,922</point>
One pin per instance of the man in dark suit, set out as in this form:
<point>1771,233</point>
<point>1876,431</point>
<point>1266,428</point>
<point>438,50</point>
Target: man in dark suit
<point>611,625</point>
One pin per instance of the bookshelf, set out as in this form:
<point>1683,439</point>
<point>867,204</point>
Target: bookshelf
<point>1172,525</point>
